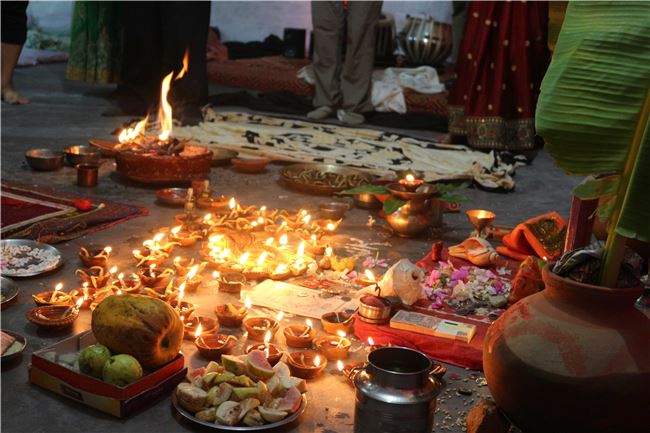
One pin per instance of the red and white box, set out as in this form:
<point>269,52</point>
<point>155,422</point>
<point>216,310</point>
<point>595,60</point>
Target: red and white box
<point>112,399</point>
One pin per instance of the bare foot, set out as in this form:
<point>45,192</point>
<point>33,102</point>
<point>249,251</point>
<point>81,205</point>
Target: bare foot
<point>10,96</point>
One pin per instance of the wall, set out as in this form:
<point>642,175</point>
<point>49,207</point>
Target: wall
<point>246,20</point>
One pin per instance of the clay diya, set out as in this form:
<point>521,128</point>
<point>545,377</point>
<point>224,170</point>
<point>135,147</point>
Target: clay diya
<point>374,309</point>
<point>192,280</point>
<point>272,352</point>
<point>208,326</point>
<point>94,255</point>
<point>184,238</point>
<point>280,272</point>
<point>147,257</point>
<point>327,225</point>
<point>130,284</point>
<point>52,297</point>
<point>182,265</point>
<point>367,279</point>
<point>334,322</point>
<point>257,327</point>
<point>95,276</point>
<point>410,183</point>
<point>333,347</point>
<point>154,277</point>
<point>306,365</point>
<point>230,316</point>
<point>185,309</point>
<point>231,282</point>
<point>300,336</point>
<point>53,316</point>
<point>212,346</point>
<point>250,165</point>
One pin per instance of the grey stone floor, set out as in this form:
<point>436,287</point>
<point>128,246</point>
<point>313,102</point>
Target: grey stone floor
<point>65,113</point>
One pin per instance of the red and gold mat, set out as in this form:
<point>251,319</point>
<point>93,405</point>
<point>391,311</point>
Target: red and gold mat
<point>45,215</point>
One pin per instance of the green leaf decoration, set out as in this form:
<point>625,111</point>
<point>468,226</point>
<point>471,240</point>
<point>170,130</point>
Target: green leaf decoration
<point>592,188</point>
<point>604,210</point>
<point>392,204</point>
<point>365,189</point>
<point>453,198</point>
<point>592,103</point>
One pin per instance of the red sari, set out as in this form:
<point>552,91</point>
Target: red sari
<point>502,59</point>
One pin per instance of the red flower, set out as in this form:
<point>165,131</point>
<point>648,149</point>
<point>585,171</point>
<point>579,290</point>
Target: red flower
<point>83,204</point>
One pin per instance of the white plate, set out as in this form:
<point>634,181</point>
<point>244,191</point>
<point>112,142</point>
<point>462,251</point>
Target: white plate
<point>23,272</point>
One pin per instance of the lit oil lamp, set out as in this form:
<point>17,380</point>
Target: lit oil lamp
<point>93,255</point>
<point>326,261</point>
<point>231,282</point>
<point>130,284</point>
<point>230,315</point>
<point>306,365</point>
<point>372,345</point>
<point>333,347</point>
<point>280,272</point>
<point>199,325</point>
<point>336,321</point>
<point>52,297</point>
<point>300,336</point>
<point>154,277</point>
<point>271,351</point>
<point>184,238</point>
<point>257,326</point>
<point>368,279</point>
<point>184,308</point>
<point>55,316</point>
<point>193,279</point>
<point>95,276</point>
<point>182,265</point>
<point>212,346</point>
<point>83,296</point>
<point>148,257</point>
<point>480,219</point>
<point>154,245</point>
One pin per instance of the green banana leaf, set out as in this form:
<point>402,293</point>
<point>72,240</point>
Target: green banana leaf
<point>592,96</point>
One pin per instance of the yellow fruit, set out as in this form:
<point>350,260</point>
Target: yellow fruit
<point>143,327</point>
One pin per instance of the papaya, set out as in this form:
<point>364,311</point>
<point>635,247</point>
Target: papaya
<point>146,328</point>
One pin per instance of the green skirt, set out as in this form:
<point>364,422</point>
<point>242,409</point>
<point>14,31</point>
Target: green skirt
<point>95,42</point>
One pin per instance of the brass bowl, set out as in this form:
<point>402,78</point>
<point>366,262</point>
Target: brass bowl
<point>421,193</point>
<point>480,219</point>
<point>82,155</point>
<point>44,159</point>
<point>411,220</point>
<point>374,309</point>
<point>333,210</point>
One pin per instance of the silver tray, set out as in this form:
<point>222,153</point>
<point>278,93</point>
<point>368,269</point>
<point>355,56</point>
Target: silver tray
<point>324,168</point>
<point>9,291</point>
<point>287,420</point>
<point>19,339</point>
<point>33,245</point>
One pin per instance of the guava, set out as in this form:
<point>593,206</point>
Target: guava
<point>93,358</point>
<point>122,370</point>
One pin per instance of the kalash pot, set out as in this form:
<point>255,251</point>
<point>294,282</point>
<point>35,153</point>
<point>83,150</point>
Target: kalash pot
<point>395,392</point>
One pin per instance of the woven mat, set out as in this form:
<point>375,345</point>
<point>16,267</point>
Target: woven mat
<point>45,215</point>
<point>377,152</point>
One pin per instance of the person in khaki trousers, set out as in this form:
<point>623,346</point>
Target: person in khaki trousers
<point>343,87</point>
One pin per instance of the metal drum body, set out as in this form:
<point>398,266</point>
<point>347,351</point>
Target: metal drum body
<point>425,41</point>
<point>395,393</point>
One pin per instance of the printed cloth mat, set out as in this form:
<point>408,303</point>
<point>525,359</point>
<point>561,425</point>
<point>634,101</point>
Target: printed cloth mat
<point>467,355</point>
<point>377,152</point>
<point>45,215</point>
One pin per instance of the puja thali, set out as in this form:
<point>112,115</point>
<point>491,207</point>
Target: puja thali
<point>323,179</point>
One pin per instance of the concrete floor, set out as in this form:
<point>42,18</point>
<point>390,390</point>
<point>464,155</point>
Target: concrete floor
<point>64,113</point>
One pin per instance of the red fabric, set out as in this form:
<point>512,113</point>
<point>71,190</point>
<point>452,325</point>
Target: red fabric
<point>503,43</point>
<point>15,211</point>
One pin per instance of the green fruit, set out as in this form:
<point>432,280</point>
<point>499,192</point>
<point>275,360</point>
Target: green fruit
<point>93,358</point>
<point>243,393</point>
<point>122,370</point>
<point>233,364</point>
<point>258,366</point>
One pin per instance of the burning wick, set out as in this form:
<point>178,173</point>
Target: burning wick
<point>214,239</point>
<point>262,257</point>
<point>339,365</point>
<point>308,329</point>
<point>85,286</point>
<point>120,278</point>
<point>108,250</point>
<point>56,291</point>
<point>269,241</point>
<point>198,331</point>
<point>369,275</point>
<point>247,303</point>
<point>267,338</point>
<point>177,259</point>
<point>328,251</point>
<point>306,219</point>
<point>151,270</point>
<point>207,218</point>
<point>232,203</point>
<point>330,227</point>
<point>244,258</point>
<point>410,178</point>
<point>371,342</point>
<point>215,275</point>
<point>181,294</point>
<point>279,316</point>
<point>112,270</point>
<point>301,249</point>
<point>342,335</point>
<point>176,230</point>
<point>119,292</point>
<point>283,240</point>
<point>317,361</point>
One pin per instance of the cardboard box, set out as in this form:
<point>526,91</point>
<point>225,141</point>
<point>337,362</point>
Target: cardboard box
<point>431,325</point>
<point>95,393</point>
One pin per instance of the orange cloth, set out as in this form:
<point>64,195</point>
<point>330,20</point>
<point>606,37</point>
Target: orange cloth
<point>542,236</point>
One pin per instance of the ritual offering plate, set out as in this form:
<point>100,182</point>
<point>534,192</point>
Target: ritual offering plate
<point>322,178</point>
<point>13,345</point>
<point>106,146</point>
<point>8,291</point>
<point>173,162</point>
<point>172,196</point>
<point>26,258</point>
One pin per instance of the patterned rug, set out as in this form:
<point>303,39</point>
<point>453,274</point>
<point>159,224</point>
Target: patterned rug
<point>377,152</point>
<point>44,215</point>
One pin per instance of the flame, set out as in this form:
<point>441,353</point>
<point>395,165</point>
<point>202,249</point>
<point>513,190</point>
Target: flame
<point>85,285</point>
<point>282,268</point>
<point>108,250</point>
<point>306,219</point>
<point>314,238</point>
<point>370,275</point>
<point>269,241</point>
<point>231,203</point>
<point>79,302</point>
<point>58,287</point>
<point>215,274</point>
<point>215,238</point>
<point>330,227</point>
<point>225,253</point>
<point>186,61</point>
<point>207,217</point>
<point>247,303</point>
<point>260,220</point>
<point>263,209</point>
<point>301,248</point>
<point>279,316</point>
<point>165,110</point>
<point>192,272</point>
<point>308,323</point>
<point>317,361</point>
<point>181,293</point>
<point>410,178</point>
<point>262,257</point>
<point>112,270</point>
<point>339,365</point>
<point>244,258</point>
<point>120,275</point>
<point>128,135</point>
<point>177,259</point>
<point>119,292</point>
<point>136,252</point>
<point>328,251</point>
<point>303,212</point>
<point>158,237</point>
<point>371,342</point>
<point>267,337</point>
<point>341,333</point>
<point>176,229</point>
<point>198,331</point>
<point>284,239</point>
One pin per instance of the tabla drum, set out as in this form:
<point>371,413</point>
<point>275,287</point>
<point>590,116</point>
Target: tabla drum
<point>385,39</point>
<point>425,41</point>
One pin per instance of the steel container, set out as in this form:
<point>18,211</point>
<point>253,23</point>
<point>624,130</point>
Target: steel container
<point>395,392</point>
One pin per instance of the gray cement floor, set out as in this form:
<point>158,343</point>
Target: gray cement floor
<point>65,113</point>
